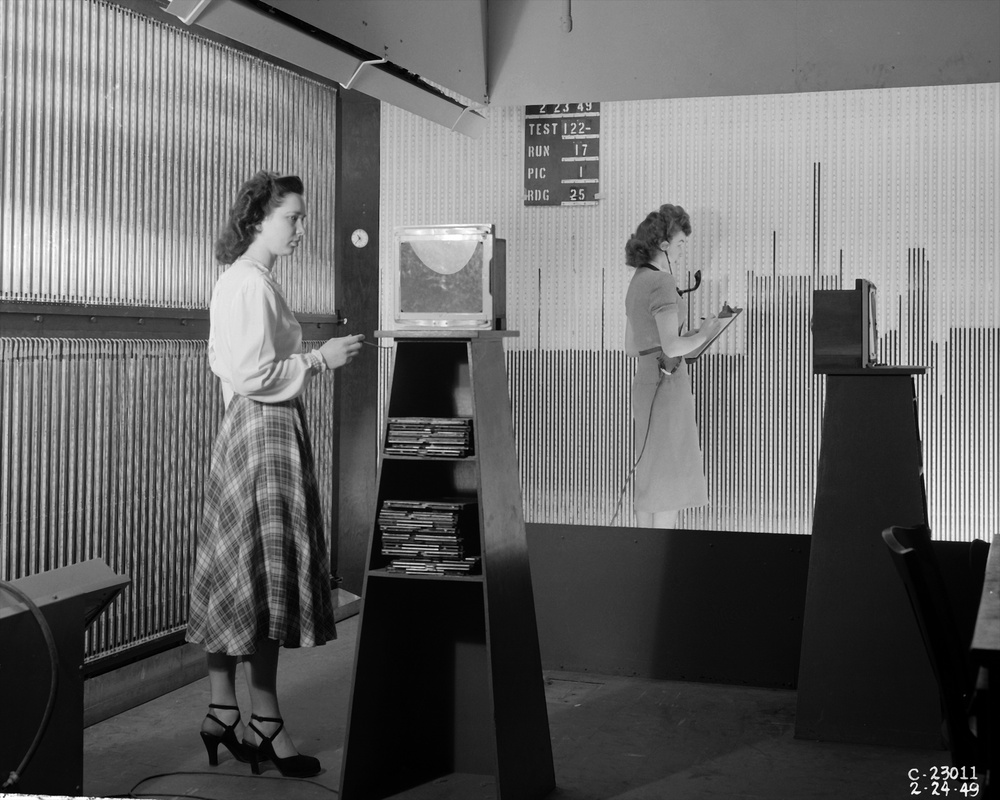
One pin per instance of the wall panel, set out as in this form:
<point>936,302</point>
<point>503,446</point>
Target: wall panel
<point>123,141</point>
<point>787,194</point>
<point>106,446</point>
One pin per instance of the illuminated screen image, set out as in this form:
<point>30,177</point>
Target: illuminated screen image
<point>441,277</point>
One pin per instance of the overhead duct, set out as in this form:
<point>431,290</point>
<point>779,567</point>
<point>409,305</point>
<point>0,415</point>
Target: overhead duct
<point>277,34</point>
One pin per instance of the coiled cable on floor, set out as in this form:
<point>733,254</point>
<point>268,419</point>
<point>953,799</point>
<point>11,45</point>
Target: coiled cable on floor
<point>224,776</point>
<point>36,612</point>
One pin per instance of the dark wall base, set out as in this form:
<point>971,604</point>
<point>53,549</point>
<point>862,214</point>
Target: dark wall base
<point>717,607</point>
<point>669,605</point>
<point>116,691</point>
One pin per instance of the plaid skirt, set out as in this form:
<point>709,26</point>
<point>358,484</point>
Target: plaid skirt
<point>262,569</point>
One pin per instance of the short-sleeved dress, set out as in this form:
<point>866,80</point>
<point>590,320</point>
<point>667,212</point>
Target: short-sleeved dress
<point>262,569</point>
<point>669,475</point>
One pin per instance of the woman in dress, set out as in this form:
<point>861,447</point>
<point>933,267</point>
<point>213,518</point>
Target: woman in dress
<point>262,574</point>
<point>668,475</point>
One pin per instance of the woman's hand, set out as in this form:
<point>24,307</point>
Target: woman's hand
<point>668,365</point>
<point>710,326</point>
<point>337,352</point>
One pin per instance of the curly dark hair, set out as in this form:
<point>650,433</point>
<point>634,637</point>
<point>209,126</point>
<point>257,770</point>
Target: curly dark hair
<point>659,226</point>
<point>256,198</point>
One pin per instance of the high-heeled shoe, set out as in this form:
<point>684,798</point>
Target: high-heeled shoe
<point>297,766</point>
<point>227,737</point>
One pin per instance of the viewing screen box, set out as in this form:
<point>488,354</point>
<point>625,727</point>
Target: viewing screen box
<point>845,333</point>
<point>449,276</point>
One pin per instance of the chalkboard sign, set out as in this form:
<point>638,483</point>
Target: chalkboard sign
<point>562,154</point>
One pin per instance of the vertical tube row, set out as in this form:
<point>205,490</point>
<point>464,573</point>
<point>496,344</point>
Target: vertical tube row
<point>124,141</point>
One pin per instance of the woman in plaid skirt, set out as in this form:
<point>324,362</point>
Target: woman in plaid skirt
<point>261,577</point>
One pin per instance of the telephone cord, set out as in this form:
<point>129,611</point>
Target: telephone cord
<point>15,775</point>
<point>645,439</point>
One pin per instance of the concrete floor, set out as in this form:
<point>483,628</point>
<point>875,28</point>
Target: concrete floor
<point>613,738</point>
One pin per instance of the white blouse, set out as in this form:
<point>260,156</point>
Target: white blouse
<point>254,341</point>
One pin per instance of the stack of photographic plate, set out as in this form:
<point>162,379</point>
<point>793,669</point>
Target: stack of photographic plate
<point>429,436</point>
<point>426,537</point>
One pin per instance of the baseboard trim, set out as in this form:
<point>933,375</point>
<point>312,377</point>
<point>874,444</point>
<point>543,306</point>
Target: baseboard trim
<point>111,693</point>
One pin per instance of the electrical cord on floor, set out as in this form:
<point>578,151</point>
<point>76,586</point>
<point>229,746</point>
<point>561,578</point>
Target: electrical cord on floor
<point>15,775</point>
<point>649,424</point>
<point>162,795</point>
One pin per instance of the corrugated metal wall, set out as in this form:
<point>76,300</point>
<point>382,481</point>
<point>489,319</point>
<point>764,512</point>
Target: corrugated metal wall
<point>105,450</point>
<point>787,193</point>
<point>124,141</point>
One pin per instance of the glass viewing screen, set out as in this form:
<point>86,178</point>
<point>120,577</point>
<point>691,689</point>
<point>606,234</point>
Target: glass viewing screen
<point>443,276</point>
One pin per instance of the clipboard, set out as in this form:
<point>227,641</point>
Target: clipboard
<point>726,322</point>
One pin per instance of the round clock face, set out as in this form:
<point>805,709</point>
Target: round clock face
<point>359,238</point>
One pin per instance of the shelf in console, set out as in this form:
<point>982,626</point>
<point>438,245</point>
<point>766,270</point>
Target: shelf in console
<point>474,715</point>
<point>395,457</point>
<point>381,572</point>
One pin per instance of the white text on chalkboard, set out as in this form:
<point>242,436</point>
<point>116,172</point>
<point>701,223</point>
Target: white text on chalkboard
<point>562,154</point>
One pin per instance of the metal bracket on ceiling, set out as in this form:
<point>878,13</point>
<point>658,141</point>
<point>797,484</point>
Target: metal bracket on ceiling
<point>459,118</point>
<point>361,66</point>
<point>187,10</point>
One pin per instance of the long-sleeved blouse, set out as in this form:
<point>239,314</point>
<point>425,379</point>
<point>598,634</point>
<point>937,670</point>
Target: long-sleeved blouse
<point>255,342</point>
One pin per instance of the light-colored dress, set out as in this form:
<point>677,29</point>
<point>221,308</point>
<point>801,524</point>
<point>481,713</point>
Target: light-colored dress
<point>669,475</point>
<point>262,569</point>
